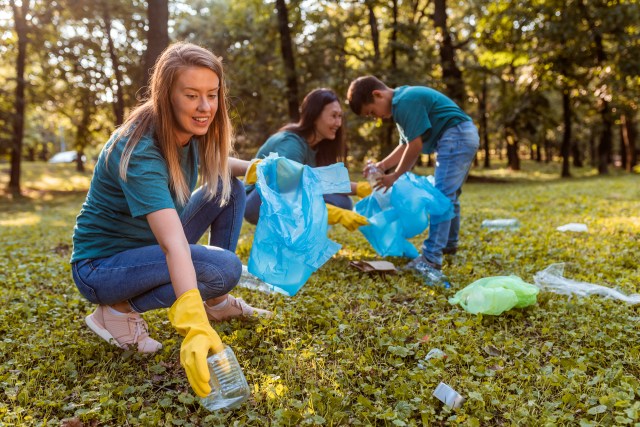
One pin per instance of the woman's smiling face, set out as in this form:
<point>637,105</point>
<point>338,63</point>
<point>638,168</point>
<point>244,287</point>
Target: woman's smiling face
<point>194,98</point>
<point>329,121</point>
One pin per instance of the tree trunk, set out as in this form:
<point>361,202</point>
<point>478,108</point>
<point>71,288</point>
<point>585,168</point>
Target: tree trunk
<point>82,132</point>
<point>623,148</point>
<point>532,152</point>
<point>482,110</point>
<point>375,34</point>
<point>628,135</point>
<point>565,148</point>
<point>20,20</point>
<point>286,47</point>
<point>394,36</point>
<point>451,74</point>
<point>548,150</point>
<point>592,148</point>
<point>633,139</point>
<point>513,158</point>
<point>604,147</point>
<point>387,142</point>
<point>576,154</point>
<point>118,104</point>
<point>157,35</point>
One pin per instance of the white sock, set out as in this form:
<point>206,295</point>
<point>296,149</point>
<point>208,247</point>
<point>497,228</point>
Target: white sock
<point>116,312</point>
<point>220,305</point>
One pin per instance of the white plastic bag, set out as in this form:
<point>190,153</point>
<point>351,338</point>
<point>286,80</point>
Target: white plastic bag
<point>552,279</point>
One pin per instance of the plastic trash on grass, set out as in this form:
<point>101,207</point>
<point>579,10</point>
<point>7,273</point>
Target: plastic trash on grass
<point>434,353</point>
<point>573,226</point>
<point>501,224</point>
<point>552,279</point>
<point>448,396</point>
<point>495,295</point>
<point>249,281</point>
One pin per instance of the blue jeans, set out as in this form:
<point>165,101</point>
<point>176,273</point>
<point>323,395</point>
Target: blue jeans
<point>141,276</point>
<point>252,210</point>
<point>456,149</point>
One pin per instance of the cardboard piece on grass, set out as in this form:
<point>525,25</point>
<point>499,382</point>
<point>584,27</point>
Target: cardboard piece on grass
<point>374,266</point>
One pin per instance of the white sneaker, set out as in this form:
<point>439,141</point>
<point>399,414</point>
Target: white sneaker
<point>127,331</point>
<point>235,308</point>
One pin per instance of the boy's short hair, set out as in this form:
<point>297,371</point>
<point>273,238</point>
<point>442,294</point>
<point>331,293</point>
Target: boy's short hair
<point>360,92</point>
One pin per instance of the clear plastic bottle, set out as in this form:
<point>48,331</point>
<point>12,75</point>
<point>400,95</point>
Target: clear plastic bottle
<point>249,281</point>
<point>433,277</point>
<point>372,172</point>
<point>501,224</point>
<point>229,387</point>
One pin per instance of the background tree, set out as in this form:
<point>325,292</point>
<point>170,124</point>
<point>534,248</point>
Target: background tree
<point>535,76</point>
<point>157,35</point>
<point>20,17</point>
<point>451,73</point>
<point>286,48</point>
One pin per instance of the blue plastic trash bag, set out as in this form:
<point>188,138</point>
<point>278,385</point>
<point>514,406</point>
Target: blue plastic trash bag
<point>401,213</point>
<point>419,202</point>
<point>384,232</point>
<point>290,241</point>
<point>495,295</point>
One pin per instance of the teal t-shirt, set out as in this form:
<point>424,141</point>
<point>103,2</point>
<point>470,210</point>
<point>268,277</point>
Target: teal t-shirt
<point>113,216</point>
<point>288,145</point>
<point>422,111</point>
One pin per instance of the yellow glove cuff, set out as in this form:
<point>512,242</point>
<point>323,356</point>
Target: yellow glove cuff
<point>348,219</point>
<point>363,189</point>
<point>333,214</point>
<point>250,177</point>
<point>190,301</point>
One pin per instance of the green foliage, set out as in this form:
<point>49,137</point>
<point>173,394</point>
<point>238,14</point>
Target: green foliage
<point>349,348</point>
<point>515,59</point>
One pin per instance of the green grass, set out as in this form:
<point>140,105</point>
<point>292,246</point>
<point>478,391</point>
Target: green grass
<point>346,350</point>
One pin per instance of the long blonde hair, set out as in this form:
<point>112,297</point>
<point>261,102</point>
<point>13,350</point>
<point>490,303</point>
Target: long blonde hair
<point>156,113</point>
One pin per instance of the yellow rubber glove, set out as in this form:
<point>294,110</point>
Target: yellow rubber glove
<point>187,315</point>
<point>363,189</point>
<point>250,177</point>
<point>349,219</point>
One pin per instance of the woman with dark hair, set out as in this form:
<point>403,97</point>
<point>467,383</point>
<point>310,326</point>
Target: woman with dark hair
<point>315,140</point>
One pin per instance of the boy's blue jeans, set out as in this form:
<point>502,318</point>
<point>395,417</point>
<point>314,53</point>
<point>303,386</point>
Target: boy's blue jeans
<point>456,150</point>
<point>141,275</point>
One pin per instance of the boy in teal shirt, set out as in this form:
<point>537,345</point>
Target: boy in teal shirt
<point>428,122</point>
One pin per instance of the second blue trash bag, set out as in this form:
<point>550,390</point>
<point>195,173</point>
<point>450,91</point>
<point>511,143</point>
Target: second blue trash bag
<point>290,240</point>
<point>401,213</point>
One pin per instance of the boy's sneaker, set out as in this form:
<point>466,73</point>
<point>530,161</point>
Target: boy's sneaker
<point>419,261</point>
<point>235,308</point>
<point>128,331</point>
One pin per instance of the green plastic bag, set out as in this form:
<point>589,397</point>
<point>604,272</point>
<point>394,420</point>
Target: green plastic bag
<point>495,295</point>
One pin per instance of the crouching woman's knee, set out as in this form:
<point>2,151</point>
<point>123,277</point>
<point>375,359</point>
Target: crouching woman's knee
<point>220,274</point>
